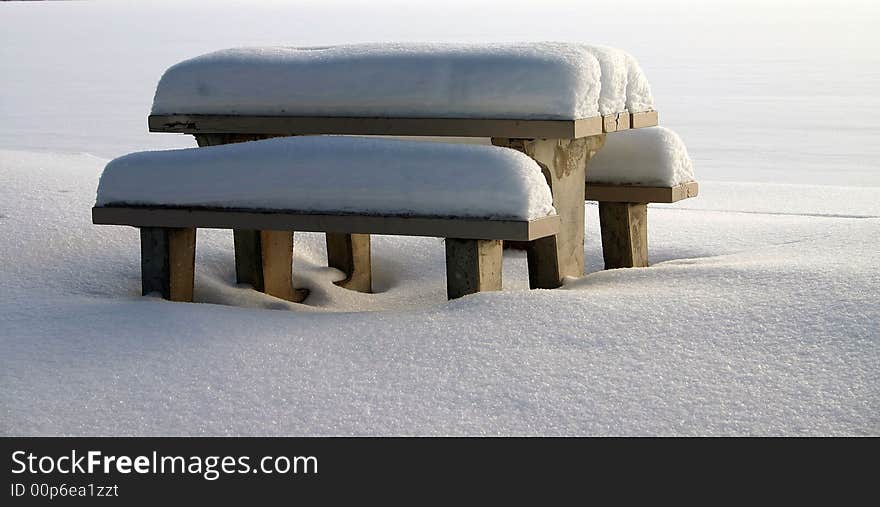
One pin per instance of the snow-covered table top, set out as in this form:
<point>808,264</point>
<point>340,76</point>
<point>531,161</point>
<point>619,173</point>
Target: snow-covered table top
<point>330,174</point>
<point>523,81</point>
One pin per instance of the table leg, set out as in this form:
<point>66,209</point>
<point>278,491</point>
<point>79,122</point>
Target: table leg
<point>276,255</point>
<point>564,164</point>
<point>265,262</point>
<point>350,253</point>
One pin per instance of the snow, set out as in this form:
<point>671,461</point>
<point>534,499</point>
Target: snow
<point>758,315</point>
<point>543,80</point>
<point>650,157</point>
<point>335,174</point>
<point>614,75</point>
<point>747,323</point>
<point>637,90</point>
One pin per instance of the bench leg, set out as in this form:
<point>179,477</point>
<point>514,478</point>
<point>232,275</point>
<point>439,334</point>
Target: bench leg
<point>168,258</point>
<point>624,234</point>
<point>472,265</point>
<point>264,259</point>
<point>350,253</point>
<point>564,163</point>
<point>248,260</point>
<point>543,263</point>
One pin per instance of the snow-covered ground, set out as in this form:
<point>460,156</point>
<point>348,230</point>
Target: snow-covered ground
<point>758,317</point>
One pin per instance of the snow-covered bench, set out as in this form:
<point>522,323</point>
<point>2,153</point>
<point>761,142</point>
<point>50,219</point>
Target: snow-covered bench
<point>474,196</point>
<point>554,102</point>
<point>633,169</point>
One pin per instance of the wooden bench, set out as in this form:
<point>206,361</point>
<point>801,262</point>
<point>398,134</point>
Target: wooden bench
<point>168,241</point>
<point>623,219</point>
<point>347,187</point>
<point>638,161</point>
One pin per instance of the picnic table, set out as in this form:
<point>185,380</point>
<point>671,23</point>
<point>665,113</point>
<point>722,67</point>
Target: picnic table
<point>561,147</point>
<point>555,102</point>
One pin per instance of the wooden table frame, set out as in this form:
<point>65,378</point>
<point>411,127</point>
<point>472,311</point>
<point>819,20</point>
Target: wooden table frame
<point>562,148</point>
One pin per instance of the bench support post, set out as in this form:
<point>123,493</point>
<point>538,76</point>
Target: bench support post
<point>564,164</point>
<point>248,258</point>
<point>266,263</point>
<point>544,272</point>
<point>472,265</point>
<point>350,253</point>
<point>624,234</point>
<point>168,258</point>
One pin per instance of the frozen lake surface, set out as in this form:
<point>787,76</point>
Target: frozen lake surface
<point>758,316</point>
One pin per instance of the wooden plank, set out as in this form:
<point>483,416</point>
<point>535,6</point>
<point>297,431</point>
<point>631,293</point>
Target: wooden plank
<point>219,139</point>
<point>616,122</point>
<point>583,128</point>
<point>644,119</point>
<point>629,193</point>
<point>609,123</point>
<point>313,125</point>
<point>222,218</point>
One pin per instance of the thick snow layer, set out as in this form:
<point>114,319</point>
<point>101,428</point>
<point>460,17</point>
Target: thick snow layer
<point>638,90</point>
<point>515,80</point>
<point>613,65</point>
<point>335,174</point>
<point>757,318</point>
<point>651,157</point>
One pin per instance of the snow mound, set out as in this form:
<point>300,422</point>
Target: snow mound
<point>334,174</point>
<point>651,157</point>
<point>545,80</point>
